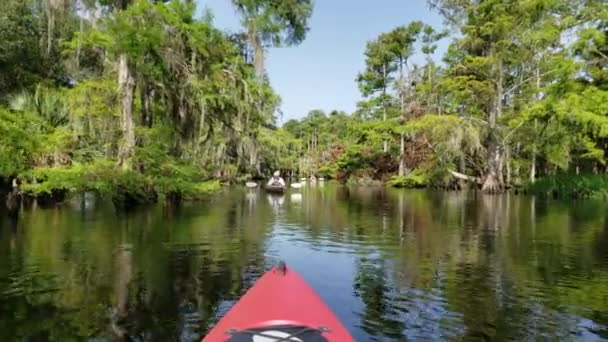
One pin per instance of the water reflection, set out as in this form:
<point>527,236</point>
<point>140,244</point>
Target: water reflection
<point>382,311</point>
<point>393,265</point>
<point>296,198</point>
<point>276,201</point>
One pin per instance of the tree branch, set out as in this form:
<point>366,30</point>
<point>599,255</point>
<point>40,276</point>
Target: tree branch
<point>511,133</point>
<point>470,117</point>
<point>466,177</point>
<point>601,53</point>
<point>513,88</point>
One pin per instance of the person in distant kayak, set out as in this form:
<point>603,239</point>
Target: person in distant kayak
<point>276,180</point>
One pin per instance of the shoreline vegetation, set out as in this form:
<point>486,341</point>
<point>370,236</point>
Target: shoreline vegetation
<point>140,100</point>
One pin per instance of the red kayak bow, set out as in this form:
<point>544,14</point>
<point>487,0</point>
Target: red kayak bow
<point>279,307</point>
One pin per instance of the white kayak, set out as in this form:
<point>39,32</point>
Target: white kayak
<point>296,185</point>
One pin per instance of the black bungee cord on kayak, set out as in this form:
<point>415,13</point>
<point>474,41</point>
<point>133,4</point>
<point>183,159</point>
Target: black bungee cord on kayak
<point>296,333</point>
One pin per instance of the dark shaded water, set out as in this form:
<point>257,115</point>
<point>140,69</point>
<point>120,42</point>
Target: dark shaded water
<point>393,265</point>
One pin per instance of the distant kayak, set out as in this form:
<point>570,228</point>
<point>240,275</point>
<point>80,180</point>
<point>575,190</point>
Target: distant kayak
<point>281,306</point>
<point>251,184</point>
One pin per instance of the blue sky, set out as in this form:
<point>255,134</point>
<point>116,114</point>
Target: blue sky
<point>320,73</point>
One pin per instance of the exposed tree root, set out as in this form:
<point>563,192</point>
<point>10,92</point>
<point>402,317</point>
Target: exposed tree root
<point>491,185</point>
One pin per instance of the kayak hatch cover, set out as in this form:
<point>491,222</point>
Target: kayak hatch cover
<point>281,306</point>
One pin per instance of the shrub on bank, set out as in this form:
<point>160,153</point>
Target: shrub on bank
<point>570,185</point>
<point>126,188</point>
<point>413,180</point>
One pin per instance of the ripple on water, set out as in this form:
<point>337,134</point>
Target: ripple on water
<point>30,280</point>
<point>187,247</point>
<point>395,309</point>
<point>326,242</point>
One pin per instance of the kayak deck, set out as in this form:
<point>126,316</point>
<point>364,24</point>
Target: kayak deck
<point>279,307</point>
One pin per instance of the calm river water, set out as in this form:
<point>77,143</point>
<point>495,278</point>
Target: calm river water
<point>393,265</point>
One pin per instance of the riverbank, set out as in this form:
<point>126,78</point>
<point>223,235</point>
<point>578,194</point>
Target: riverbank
<point>570,186</point>
<point>126,188</point>
<point>565,185</point>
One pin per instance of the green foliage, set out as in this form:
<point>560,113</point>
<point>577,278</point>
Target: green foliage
<point>416,179</point>
<point>18,142</point>
<point>198,110</point>
<point>571,186</point>
<point>76,178</point>
<point>515,100</point>
<point>278,21</point>
<point>279,148</point>
<point>46,102</point>
<point>203,188</point>
<point>103,177</point>
<point>512,101</point>
<point>355,157</point>
<point>21,60</point>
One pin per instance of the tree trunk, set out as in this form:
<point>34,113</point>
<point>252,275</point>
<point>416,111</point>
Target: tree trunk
<point>516,169</point>
<point>253,156</point>
<point>50,22</point>
<point>507,161</point>
<point>308,144</point>
<point>126,84</point>
<point>463,169</point>
<point>80,31</point>
<point>258,52</point>
<point>146,117</point>
<point>538,98</point>
<point>258,62</point>
<point>385,142</point>
<point>402,165</point>
<point>402,156</point>
<point>430,101</point>
<point>201,129</point>
<point>463,164</point>
<point>146,105</point>
<point>494,181</point>
<point>385,146</point>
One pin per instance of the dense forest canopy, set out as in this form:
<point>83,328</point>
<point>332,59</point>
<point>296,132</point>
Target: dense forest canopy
<point>136,98</point>
<point>139,98</point>
<point>519,95</point>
